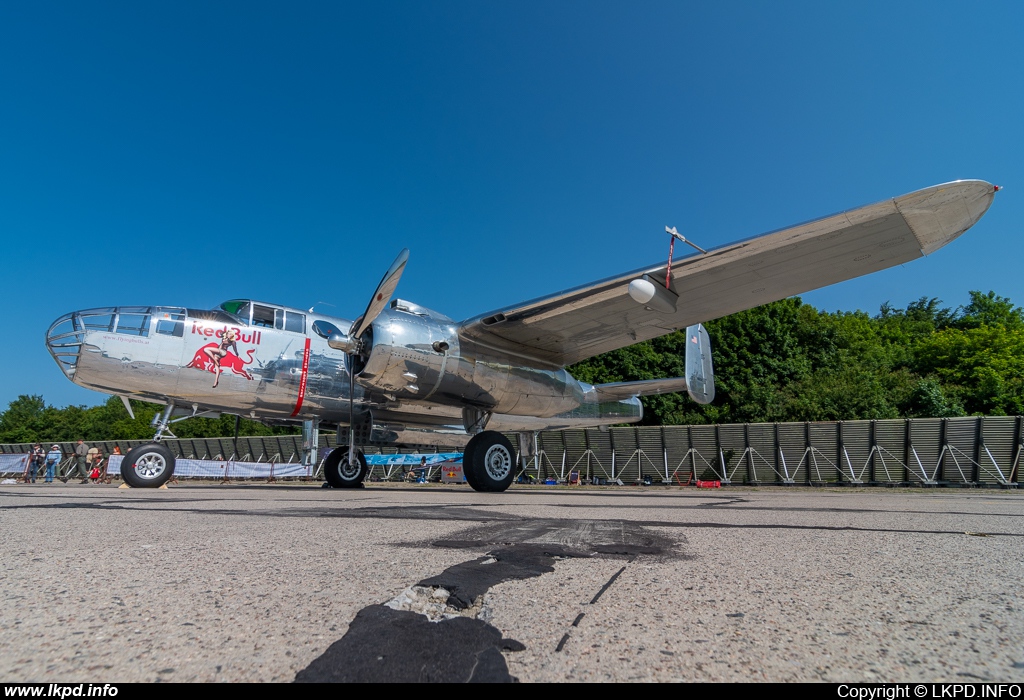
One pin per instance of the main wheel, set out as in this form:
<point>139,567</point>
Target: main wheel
<point>147,466</point>
<point>489,462</point>
<point>342,475</point>
<point>467,460</point>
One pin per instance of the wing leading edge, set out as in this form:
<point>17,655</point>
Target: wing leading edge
<point>579,323</point>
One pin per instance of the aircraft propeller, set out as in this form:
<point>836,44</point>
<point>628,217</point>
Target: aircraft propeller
<point>353,344</point>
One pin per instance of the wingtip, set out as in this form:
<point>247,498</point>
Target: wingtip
<point>939,215</point>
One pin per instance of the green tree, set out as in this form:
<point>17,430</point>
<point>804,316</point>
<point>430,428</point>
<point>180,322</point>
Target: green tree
<point>27,419</point>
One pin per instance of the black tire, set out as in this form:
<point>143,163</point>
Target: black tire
<point>467,460</point>
<point>489,462</point>
<point>147,466</point>
<point>338,473</point>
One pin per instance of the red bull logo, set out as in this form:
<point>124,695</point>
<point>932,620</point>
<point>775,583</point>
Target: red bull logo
<point>253,336</point>
<point>204,360</point>
<point>218,356</point>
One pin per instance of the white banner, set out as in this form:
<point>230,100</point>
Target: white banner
<point>229,469</point>
<point>14,464</point>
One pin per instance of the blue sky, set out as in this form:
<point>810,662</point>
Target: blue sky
<point>186,153</point>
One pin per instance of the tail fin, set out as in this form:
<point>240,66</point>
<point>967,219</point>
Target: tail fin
<point>699,380</point>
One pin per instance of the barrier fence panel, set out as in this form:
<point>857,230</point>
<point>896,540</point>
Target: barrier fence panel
<point>1000,437</point>
<point>963,451</point>
<point>791,446</point>
<point>735,465</point>
<point>889,461</point>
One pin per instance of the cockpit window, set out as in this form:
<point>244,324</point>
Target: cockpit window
<point>266,316</point>
<point>262,316</point>
<point>235,307</point>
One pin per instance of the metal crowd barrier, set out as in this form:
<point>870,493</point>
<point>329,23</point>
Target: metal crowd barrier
<point>970,451</point>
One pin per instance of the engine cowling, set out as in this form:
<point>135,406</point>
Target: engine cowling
<point>413,353</point>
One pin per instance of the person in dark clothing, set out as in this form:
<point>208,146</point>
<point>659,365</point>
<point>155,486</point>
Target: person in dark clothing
<point>36,460</point>
<point>82,454</point>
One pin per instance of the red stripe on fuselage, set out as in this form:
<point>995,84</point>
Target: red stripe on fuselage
<point>302,380</point>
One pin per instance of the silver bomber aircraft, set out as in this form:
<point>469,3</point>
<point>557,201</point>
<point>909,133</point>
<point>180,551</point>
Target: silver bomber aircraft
<point>404,375</point>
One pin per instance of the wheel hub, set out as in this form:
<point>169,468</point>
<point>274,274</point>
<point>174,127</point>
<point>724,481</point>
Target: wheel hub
<point>497,462</point>
<point>150,466</point>
<point>349,470</point>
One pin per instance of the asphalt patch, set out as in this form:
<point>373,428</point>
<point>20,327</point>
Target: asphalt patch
<point>384,645</point>
<point>468,581</point>
<point>397,646</point>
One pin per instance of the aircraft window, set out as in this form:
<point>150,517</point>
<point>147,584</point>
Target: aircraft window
<point>236,306</point>
<point>171,323</point>
<point>133,324</point>
<point>244,312</point>
<point>263,316</point>
<point>278,319</point>
<point>168,327</point>
<point>102,322</point>
<point>325,330</point>
<point>295,323</point>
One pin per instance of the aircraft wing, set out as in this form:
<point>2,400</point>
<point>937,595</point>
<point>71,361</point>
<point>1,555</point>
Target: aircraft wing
<point>573,325</point>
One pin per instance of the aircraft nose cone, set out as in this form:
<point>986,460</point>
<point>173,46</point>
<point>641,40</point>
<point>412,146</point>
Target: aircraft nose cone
<point>64,341</point>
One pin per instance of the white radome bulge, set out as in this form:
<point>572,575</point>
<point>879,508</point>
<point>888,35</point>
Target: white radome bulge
<point>641,291</point>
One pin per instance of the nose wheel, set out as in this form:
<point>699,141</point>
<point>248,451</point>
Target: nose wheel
<point>147,466</point>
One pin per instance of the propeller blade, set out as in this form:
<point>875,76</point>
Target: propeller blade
<point>382,297</point>
<point>351,416</point>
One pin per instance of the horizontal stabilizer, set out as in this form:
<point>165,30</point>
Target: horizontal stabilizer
<point>618,391</point>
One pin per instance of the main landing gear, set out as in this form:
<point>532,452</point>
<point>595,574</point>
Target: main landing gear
<point>340,474</point>
<point>488,462</point>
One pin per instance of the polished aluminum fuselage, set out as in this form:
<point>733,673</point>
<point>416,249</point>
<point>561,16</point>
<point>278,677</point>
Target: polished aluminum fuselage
<point>415,385</point>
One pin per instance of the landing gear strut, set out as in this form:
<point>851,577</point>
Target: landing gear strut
<point>151,465</point>
<point>488,462</point>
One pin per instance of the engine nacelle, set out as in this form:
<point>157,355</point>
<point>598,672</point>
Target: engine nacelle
<point>414,354</point>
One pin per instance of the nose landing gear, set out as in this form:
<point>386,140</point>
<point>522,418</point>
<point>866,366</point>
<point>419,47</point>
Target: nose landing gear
<point>151,465</point>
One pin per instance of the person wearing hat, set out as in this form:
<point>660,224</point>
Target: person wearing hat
<point>36,459</point>
<point>53,458</point>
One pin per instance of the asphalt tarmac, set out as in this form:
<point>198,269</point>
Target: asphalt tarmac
<point>205,582</point>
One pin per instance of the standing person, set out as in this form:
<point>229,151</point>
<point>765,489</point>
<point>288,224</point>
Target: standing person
<point>36,459</point>
<point>53,458</point>
<point>82,453</point>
